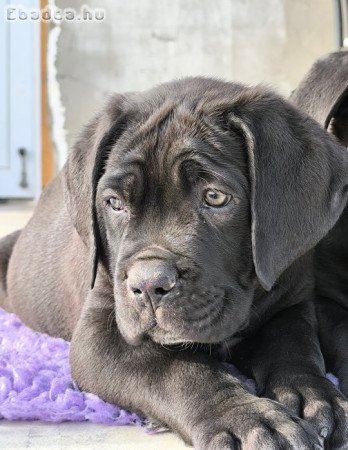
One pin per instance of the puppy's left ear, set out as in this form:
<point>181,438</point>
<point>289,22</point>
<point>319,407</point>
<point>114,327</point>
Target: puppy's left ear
<point>84,167</point>
<point>298,175</point>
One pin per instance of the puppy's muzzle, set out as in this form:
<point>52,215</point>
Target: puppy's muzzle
<point>152,282</point>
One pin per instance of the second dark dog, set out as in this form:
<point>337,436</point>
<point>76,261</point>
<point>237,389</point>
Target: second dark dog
<point>324,94</point>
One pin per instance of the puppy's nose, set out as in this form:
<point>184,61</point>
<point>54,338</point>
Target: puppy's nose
<point>152,280</point>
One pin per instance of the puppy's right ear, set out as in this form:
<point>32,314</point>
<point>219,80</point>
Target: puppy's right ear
<point>85,166</point>
<point>323,94</point>
<point>298,180</point>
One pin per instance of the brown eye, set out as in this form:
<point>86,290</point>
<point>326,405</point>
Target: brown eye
<point>215,198</point>
<point>116,203</point>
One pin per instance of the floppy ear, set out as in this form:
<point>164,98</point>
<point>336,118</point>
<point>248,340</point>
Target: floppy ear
<point>84,168</point>
<point>323,93</point>
<point>298,177</point>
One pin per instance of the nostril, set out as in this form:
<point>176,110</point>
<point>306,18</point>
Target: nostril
<point>160,291</point>
<point>150,281</point>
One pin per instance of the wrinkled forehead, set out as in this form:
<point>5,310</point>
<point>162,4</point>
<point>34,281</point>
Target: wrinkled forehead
<point>173,136</point>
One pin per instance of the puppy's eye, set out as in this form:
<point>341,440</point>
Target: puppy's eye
<point>215,198</point>
<point>116,203</point>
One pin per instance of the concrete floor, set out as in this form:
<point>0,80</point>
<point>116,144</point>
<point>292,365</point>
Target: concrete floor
<point>74,436</point>
<point>14,215</point>
<point>80,436</point>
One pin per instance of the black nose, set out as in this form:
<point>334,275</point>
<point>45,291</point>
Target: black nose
<point>152,280</point>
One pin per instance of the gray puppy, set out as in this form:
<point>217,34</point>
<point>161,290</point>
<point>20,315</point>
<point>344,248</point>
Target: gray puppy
<point>324,94</point>
<point>178,236</point>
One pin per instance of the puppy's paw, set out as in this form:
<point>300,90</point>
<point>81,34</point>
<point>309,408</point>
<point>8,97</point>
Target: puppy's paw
<point>254,424</point>
<point>316,400</point>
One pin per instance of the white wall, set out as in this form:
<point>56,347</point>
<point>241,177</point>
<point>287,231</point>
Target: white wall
<point>144,42</point>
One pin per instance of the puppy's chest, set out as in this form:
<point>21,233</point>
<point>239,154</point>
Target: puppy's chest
<point>238,347</point>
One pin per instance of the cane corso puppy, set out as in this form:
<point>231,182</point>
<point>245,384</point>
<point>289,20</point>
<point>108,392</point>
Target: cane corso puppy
<point>193,208</point>
<point>324,94</point>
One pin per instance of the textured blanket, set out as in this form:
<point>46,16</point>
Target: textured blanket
<point>36,383</point>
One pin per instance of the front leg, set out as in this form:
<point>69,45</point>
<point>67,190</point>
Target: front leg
<point>288,366</point>
<point>191,393</point>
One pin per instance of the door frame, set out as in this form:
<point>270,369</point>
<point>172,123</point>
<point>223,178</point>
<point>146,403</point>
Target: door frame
<point>47,153</point>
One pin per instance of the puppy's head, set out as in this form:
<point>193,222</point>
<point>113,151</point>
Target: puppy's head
<point>197,193</point>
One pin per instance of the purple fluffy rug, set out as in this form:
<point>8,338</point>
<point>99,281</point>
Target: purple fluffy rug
<point>36,383</point>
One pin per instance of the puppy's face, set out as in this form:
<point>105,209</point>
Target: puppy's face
<point>173,207</point>
<point>199,191</point>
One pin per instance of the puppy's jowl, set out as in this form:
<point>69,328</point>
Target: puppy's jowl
<point>193,207</point>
